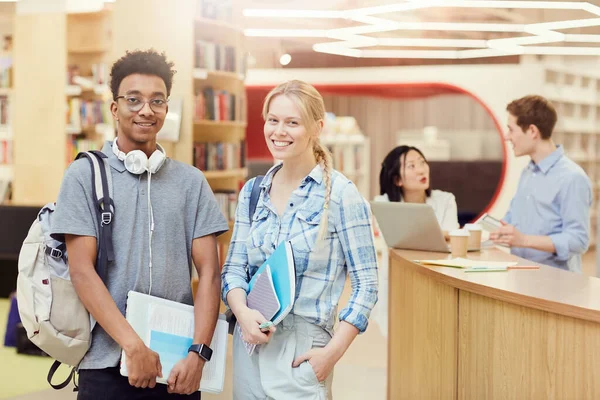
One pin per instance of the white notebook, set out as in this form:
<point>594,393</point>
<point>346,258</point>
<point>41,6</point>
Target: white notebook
<point>167,327</point>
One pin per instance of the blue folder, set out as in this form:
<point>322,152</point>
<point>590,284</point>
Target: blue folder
<point>283,273</point>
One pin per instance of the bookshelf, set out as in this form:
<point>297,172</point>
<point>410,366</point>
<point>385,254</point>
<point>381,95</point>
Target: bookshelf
<point>576,96</point>
<point>88,118</point>
<point>350,150</point>
<point>219,124</point>
<point>6,136</point>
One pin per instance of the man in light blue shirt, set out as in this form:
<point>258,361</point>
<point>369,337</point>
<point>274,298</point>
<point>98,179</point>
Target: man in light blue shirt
<point>549,218</point>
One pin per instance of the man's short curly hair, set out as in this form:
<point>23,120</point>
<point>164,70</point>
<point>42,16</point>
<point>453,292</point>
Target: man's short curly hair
<point>148,62</point>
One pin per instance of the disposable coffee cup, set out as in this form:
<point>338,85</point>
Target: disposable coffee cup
<point>459,242</point>
<point>474,236</point>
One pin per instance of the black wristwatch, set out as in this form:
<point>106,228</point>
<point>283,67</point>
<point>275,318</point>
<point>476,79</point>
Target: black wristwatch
<point>202,350</point>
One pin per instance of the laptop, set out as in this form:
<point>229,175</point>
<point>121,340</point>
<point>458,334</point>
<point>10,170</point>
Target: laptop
<point>410,226</point>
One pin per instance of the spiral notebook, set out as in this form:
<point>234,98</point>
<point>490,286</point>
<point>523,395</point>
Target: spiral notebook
<point>263,299</point>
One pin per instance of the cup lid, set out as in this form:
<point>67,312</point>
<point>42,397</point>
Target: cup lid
<point>472,227</point>
<point>459,232</point>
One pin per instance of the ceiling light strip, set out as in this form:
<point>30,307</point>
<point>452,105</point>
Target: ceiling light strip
<point>588,38</point>
<point>283,13</point>
<point>335,49</point>
<point>444,54</point>
<point>356,41</point>
<point>414,42</point>
<point>562,51</point>
<point>391,8</point>
<point>431,26</point>
<point>591,8</point>
<point>483,53</point>
<point>547,5</point>
<point>575,23</point>
<point>414,5</point>
<point>290,33</point>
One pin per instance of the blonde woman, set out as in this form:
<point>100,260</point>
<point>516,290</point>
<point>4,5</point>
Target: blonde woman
<point>303,200</point>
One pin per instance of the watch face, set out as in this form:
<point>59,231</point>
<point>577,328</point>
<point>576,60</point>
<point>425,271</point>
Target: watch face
<point>206,353</point>
<point>203,351</point>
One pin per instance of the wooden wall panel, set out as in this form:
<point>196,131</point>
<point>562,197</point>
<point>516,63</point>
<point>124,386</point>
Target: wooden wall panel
<point>510,352</point>
<point>423,318</point>
<point>40,59</point>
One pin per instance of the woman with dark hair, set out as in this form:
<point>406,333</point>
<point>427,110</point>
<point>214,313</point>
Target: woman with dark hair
<point>405,177</point>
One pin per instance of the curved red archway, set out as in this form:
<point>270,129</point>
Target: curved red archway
<point>256,94</point>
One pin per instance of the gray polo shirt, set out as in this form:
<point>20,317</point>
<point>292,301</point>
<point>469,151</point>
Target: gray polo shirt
<point>184,208</point>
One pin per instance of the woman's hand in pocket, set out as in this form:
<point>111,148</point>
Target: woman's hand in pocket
<point>249,321</point>
<point>321,360</point>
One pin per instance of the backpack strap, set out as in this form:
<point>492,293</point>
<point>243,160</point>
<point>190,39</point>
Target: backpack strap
<point>102,190</point>
<point>103,195</point>
<point>53,370</point>
<point>254,197</point>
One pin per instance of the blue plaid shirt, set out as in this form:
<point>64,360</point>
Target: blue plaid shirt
<point>321,268</point>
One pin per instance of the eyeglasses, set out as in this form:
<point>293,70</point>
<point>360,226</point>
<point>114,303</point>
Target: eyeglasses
<point>135,103</point>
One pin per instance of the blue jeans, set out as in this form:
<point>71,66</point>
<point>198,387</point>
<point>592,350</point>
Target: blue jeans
<point>109,384</point>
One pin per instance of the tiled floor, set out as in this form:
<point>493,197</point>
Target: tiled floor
<point>361,374</point>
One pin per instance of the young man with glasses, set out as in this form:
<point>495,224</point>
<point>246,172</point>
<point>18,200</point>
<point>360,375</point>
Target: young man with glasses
<point>166,220</point>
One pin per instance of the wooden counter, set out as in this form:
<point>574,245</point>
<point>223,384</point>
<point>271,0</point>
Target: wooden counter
<point>520,334</point>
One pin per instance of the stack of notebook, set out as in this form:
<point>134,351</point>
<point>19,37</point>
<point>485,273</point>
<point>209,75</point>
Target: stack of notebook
<point>272,289</point>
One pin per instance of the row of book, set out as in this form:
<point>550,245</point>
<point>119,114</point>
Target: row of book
<point>81,113</point>
<point>227,201</point>
<point>218,105</point>
<point>6,152</point>
<point>75,146</point>
<point>221,10</point>
<point>219,156</point>
<point>218,57</point>
<point>4,110</point>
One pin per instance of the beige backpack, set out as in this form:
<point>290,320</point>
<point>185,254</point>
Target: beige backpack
<point>55,319</point>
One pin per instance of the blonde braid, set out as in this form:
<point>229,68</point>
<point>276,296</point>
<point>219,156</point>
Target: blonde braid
<point>324,157</point>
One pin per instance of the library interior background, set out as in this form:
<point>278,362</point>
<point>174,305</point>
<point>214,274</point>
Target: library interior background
<point>432,74</point>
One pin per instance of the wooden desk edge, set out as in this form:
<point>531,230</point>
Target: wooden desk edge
<point>502,295</point>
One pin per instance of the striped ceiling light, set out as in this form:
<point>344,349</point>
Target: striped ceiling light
<point>355,42</point>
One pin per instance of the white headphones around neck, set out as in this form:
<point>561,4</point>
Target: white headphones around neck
<point>137,162</point>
